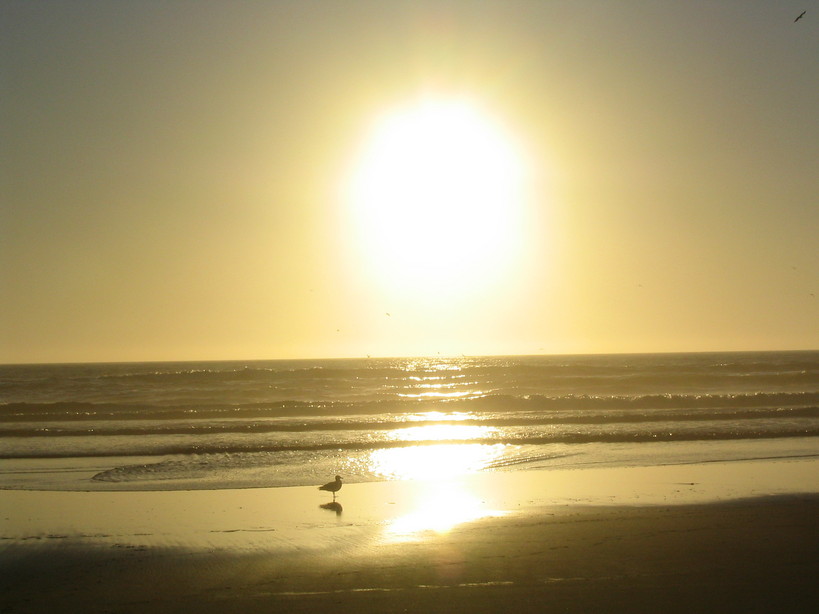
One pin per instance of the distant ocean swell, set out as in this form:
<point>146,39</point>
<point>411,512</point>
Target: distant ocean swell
<point>369,381</point>
<point>475,402</point>
<point>360,381</point>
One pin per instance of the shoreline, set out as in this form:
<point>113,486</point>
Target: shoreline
<point>77,473</point>
<point>229,518</point>
<point>738,536</point>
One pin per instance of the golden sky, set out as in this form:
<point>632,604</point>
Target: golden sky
<point>238,180</point>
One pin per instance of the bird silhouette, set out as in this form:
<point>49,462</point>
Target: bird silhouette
<point>801,15</point>
<point>332,487</point>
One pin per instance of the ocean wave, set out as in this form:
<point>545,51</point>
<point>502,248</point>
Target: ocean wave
<point>396,423</point>
<point>571,375</point>
<point>335,379</point>
<point>186,445</point>
<point>478,403</point>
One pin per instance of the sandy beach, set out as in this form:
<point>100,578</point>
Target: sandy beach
<point>736,537</point>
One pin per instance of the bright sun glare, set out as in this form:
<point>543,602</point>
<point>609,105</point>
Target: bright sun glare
<point>439,507</point>
<point>436,198</point>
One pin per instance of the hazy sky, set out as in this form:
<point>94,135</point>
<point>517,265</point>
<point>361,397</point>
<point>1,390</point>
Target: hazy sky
<point>176,178</point>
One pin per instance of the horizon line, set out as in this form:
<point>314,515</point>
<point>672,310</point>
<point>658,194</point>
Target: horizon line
<point>406,357</point>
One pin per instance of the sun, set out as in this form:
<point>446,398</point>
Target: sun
<point>436,197</point>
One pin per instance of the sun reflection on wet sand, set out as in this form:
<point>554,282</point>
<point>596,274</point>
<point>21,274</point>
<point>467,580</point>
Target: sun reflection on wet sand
<point>437,508</point>
<point>440,500</point>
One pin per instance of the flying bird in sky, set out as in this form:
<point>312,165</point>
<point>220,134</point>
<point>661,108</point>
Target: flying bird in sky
<point>802,14</point>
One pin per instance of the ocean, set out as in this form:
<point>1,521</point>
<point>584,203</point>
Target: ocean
<point>192,425</point>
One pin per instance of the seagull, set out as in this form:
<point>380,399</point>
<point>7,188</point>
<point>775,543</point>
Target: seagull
<point>332,487</point>
<point>801,15</point>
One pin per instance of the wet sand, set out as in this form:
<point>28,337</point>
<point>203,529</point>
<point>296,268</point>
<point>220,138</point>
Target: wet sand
<point>733,537</point>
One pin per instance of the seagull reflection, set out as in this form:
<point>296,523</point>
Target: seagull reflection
<point>333,506</point>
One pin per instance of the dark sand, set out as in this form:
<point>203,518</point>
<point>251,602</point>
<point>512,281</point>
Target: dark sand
<point>740,555</point>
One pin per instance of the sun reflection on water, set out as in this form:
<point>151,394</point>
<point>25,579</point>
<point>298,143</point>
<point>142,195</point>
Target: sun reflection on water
<point>443,432</point>
<point>436,392</point>
<point>451,416</point>
<point>433,461</point>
